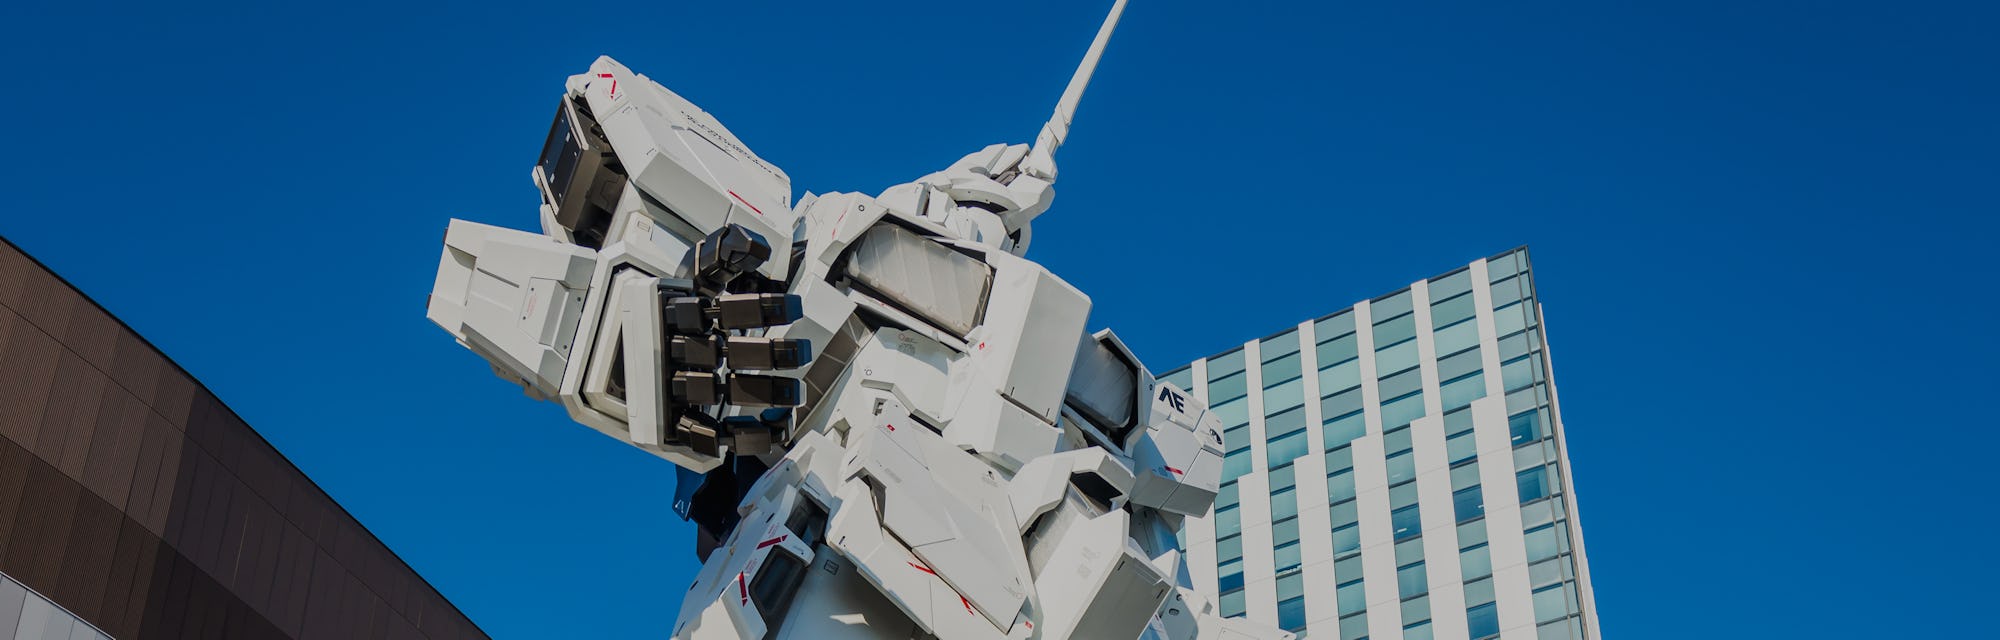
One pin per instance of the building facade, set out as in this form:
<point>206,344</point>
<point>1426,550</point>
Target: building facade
<point>1397,470</point>
<point>134,504</point>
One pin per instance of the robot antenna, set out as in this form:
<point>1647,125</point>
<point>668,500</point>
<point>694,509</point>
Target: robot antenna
<point>1041,159</point>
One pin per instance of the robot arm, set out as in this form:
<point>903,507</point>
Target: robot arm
<point>674,355</point>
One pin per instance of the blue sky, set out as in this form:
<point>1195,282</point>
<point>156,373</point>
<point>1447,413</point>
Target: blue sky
<point>1762,233</point>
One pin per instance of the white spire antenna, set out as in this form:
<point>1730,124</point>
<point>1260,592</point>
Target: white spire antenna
<point>1041,159</point>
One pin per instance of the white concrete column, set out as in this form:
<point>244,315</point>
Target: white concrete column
<point>1496,478</point>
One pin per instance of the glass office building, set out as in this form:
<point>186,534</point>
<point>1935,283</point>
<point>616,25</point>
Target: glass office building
<point>1397,470</point>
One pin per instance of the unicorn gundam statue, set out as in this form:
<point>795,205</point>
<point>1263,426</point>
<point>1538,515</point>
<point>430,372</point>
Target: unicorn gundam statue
<point>888,423</point>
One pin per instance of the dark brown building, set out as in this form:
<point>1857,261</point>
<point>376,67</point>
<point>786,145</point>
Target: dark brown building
<point>136,501</point>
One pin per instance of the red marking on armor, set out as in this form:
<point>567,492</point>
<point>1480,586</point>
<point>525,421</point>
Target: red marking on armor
<point>743,587</point>
<point>772,541</point>
<point>891,427</point>
<point>614,83</point>
<point>1031,625</point>
<point>982,346</point>
<point>746,203</point>
<point>1175,471</point>
<point>923,568</point>
<point>967,603</point>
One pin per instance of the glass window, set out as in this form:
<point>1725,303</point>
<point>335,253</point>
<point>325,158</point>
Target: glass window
<point>1402,467</point>
<point>1479,591</point>
<point>1467,504</point>
<point>1291,393</point>
<point>1346,539</point>
<point>1347,569</point>
<point>1527,456</point>
<point>1396,440</point>
<point>1288,448</point>
<point>1402,495</point>
<point>1463,391</point>
<point>1284,504</point>
<point>1282,478</point>
<point>1557,630</point>
<point>1182,377</point>
<point>1457,422</point>
<point>1534,484</point>
<point>1286,557</point>
<point>1292,614</point>
<point>1340,377</point>
<point>1400,384</point>
<point>1340,404</point>
<point>1405,522</point>
<point>1228,388</point>
<point>1231,604</point>
<point>1340,486</point>
<point>1343,514</point>
<point>1340,458</point>
<point>1511,319</point>
<point>1394,330</point>
<point>1507,291</point>
<point>1228,521</point>
<point>1525,399</point>
<point>1284,368</point>
<point>1231,582</point>
<point>1483,621</point>
<point>1334,326</point>
<point>1548,572</point>
<point>1230,548</point>
<point>1418,631</point>
<point>1526,427</point>
<point>1236,464</point>
<point>1550,603</point>
<point>1518,345</point>
<point>1455,366</point>
<point>1402,411</point>
<point>1285,422</point>
<point>1354,627</point>
<point>1456,338</point>
<point>1342,430</point>
<point>1337,350</point>
<point>1236,438</point>
<point>1475,563</point>
<point>1417,610</point>
<point>1232,412</point>
<point>1351,597</point>
<point>1396,358</point>
<point>1465,476</point>
<point>1410,581</point>
<point>1461,447</point>
<point>1291,586</point>
<point>1285,531</point>
<point>1503,265</point>
<point>1453,311</point>
<point>1542,543</point>
<point>1517,373</point>
<point>1279,346</point>
<point>1447,286</point>
<point>1389,306</point>
<point>1225,364</point>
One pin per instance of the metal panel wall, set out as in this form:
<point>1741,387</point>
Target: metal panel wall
<point>133,498</point>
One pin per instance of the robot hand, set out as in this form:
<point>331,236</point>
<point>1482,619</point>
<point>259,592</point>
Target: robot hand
<point>694,333</point>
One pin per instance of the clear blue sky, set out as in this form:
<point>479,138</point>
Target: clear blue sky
<point>1763,233</point>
